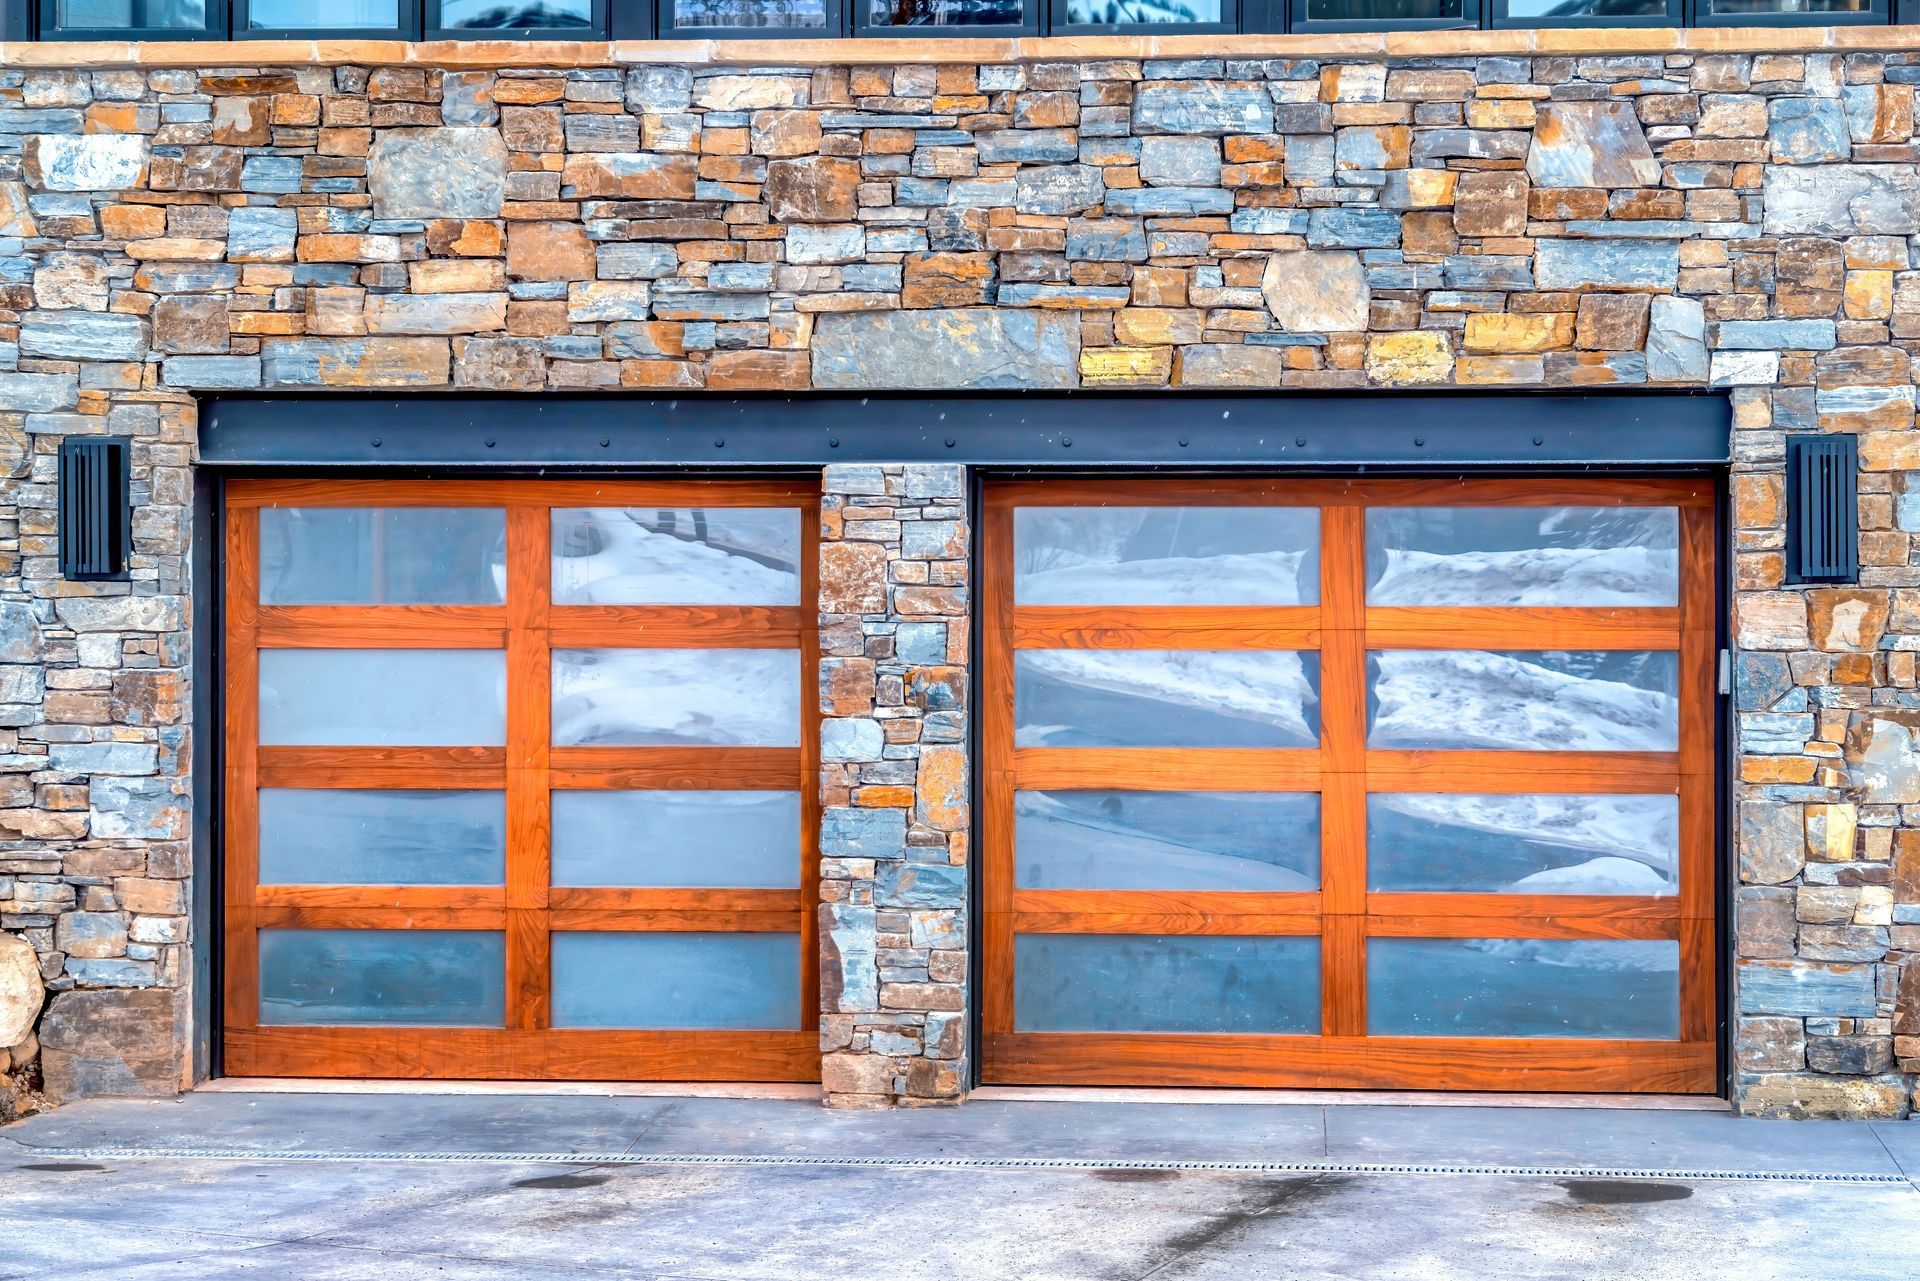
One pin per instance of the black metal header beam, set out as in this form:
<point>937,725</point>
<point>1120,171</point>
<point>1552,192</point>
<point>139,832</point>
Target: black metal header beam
<point>1008,430</point>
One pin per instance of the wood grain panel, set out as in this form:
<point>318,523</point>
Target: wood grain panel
<point>1378,1063</point>
<point>1165,769</point>
<point>390,767</point>
<point>1522,916</point>
<point>1164,627</point>
<point>1522,773</point>
<point>697,900</point>
<point>675,627</point>
<point>1457,627</point>
<point>549,1054</point>
<point>382,627</point>
<point>772,769</point>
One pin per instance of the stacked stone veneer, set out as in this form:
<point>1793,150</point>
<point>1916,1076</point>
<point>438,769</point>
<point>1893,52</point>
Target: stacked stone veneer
<point>893,784</point>
<point>1689,217</point>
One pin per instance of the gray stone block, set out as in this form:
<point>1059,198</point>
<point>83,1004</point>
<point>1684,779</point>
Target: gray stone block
<point>956,349</point>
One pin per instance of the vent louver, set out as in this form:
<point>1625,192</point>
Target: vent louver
<point>1823,516</point>
<point>95,513</point>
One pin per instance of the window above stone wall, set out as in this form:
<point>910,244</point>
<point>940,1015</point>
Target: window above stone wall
<point>788,19</point>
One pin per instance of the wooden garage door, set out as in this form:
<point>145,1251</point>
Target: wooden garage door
<point>1400,783</point>
<point>520,779</point>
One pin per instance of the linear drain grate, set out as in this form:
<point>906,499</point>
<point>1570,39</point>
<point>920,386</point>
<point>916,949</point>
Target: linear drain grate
<point>973,1163</point>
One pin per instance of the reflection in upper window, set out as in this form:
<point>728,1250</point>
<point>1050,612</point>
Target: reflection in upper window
<point>945,13</point>
<point>1166,555</point>
<point>1114,840</point>
<point>382,556</point>
<point>1599,9</point>
<point>685,556</point>
<point>676,697</point>
<point>1384,11</point>
<point>1426,842</point>
<point>338,15</point>
<point>1523,556</point>
<point>751,15</point>
<point>1761,8</point>
<point>1142,12</point>
<point>514,15</point>
<point>132,15</point>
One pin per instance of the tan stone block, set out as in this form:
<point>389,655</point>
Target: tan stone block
<point>1776,769</point>
<point>1491,203</point>
<point>151,897</point>
<point>1771,620</point>
<point>1613,322</point>
<point>853,578</point>
<point>759,371</point>
<point>946,279</point>
<point>549,251</point>
<point>336,311</point>
<point>1497,332</point>
<point>1869,295</point>
<point>1157,326</point>
<point>1431,188</point>
<point>1411,357</point>
<point>456,276</point>
<point>1499,370</point>
<point>1841,619</point>
<point>671,374</point>
<point>347,248</point>
<point>1125,366</point>
<point>1758,500</point>
<point>940,788</point>
<point>178,249</point>
<point>1508,113</point>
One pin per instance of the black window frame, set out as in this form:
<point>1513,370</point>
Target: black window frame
<point>595,29</point>
<point>1878,14</point>
<point>40,17</point>
<point>409,27</point>
<point>1032,13</point>
<point>1470,19</point>
<point>838,12</point>
<point>1058,25</point>
<point>1499,20</point>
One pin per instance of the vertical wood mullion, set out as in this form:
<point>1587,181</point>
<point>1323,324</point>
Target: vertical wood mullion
<point>241,978</point>
<point>1699,645</point>
<point>529,807</point>
<point>1343,788</point>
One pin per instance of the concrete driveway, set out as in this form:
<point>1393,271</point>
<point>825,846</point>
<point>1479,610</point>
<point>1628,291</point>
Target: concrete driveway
<point>324,1186</point>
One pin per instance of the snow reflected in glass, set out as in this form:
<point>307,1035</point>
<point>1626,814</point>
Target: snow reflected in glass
<point>1254,841</point>
<point>1523,556</point>
<point>944,13</point>
<point>1119,12</point>
<point>1165,983</point>
<point>383,556</point>
<point>1165,698</point>
<point>685,556</point>
<point>1524,987</point>
<point>675,980</point>
<point>676,697</point>
<point>1166,555</point>
<point>1547,700</point>
<point>383,697</point>
<point>748,14</point>
<point>1523,844</point>
<point>341,836</point>
<point>336,978</point>
<point>514,15</point>
<point>676,838</point>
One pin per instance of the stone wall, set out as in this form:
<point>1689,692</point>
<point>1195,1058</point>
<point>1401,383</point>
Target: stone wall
<point>1277,213</point>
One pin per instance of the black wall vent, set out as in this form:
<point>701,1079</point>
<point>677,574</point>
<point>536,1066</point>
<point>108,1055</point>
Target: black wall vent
<point>1823,510</point>
<point>96,513</point>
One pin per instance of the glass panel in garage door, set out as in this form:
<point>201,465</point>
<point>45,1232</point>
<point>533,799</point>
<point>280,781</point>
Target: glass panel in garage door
<point>521,782</point>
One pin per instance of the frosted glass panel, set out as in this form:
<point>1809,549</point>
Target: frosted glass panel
<point>383,697</point>
<point>1166,555</point>
<point>668,697</point>
<point>1523,844</point>
<point>1565,700</point>
<point>1524,987</point>
<point>1523,556</point>
<point>701,556</point>
<point>676,980</point>
<point>1166,698</point>
<point>298,15</point>
<point>519,15</point>
<point>1165,983</point>
<point>1264,841</point>
<point>677,838</point>
<point>382,556</point>
<point>84,14</point>
<point>437,978</point>
<point>340,837</point>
